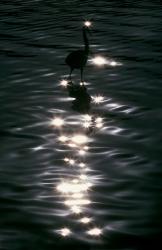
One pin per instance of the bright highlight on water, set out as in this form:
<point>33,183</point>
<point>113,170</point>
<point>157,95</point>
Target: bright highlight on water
<point>85,220</point>
<point>97,99</point>
<point>101,61</point>
<point>57,122</point>
<point>87,23</point>
<point>65,231</point>
<point>64,83</point>
<point>95,231</point>
<point>79,139</point>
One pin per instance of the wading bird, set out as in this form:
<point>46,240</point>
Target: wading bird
<point>78,59</point>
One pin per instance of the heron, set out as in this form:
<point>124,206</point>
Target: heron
<point>78,59</point>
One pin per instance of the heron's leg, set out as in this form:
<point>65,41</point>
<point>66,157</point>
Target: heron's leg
<point>81,71</point>
<point>71,70</point>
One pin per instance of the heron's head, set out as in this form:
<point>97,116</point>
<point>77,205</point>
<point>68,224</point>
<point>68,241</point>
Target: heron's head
<point>87,26</point>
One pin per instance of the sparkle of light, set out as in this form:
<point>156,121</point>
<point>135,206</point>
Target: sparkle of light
<point>87,23</point>
<point>77,202</point>
<point>99,60</point>
<point>82,152</point>
<point>57,122</point>
<point>72,145</point>
<point>87,117</point>
<point>63,138</point>
<point>83,177</point>
<point>82,83</point>
<point>75,181</point>
<point>85,147</point>
<point>65,231</point>
<point>113,63</point>
<point>79,139</point>
<point>85,220</point>
<point>86,124</point>
<point>98,99</point>
<point>99,119</point>
<point>64,83</point>
<point>38,148</point>
<point>67,187</point>
<point>76,209</point>
<point>99,125</point>
<point>77,196</point>
<point>95,231</point>
<point>82,165</point>
<point>71,161</point>
<point>66,159</point>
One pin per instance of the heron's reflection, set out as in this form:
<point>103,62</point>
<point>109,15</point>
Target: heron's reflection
<point>82,100</point>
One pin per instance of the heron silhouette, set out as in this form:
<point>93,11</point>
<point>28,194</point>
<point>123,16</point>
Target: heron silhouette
<point>78,59</point>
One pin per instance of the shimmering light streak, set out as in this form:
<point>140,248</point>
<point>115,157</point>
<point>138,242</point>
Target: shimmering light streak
<point>94,231</point>
<point>75,181</point>
<point>86,169</point>
<point>77,196</point>
<point>65,231</point>
<point>76,209</point>
<point>64,83</point>
<point>97,99</point>
<point>79,139</point>
<point>38,148</point>
<point>113,63</point>
<point>57,122</point>
<point>66,159</point>
<point>85,220</point>
<point>67,187</point>
<point>83,177</point>
<point>77,202</point>
<point>99,119</point>
<point>99,125</point>
<point>82,83</point>
<point>63,138</point>
<point>99,60</point>
<point>72,145</point>
<point>85,147</point>
<point>81,152</point>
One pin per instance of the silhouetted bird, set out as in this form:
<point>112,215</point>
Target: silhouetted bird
<point>78,59</point>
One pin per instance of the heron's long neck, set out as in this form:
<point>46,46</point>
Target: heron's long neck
<point>86,43</point>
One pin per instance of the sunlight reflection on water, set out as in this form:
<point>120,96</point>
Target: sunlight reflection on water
<point>76,190</point>
<point>109,184</point>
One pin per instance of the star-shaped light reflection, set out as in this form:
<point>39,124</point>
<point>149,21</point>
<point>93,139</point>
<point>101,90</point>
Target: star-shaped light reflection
<point>98,99</point>
<point>87,23</point>
<point>64,83</point>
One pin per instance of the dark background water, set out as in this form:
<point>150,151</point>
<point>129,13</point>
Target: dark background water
<point>125,156</point>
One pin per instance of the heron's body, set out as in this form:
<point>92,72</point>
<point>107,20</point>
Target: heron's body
<point>78,59</point>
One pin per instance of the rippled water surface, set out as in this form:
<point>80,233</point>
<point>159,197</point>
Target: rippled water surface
<point>97,187</point>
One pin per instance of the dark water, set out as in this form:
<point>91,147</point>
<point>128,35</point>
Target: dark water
<point>124,156</point>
